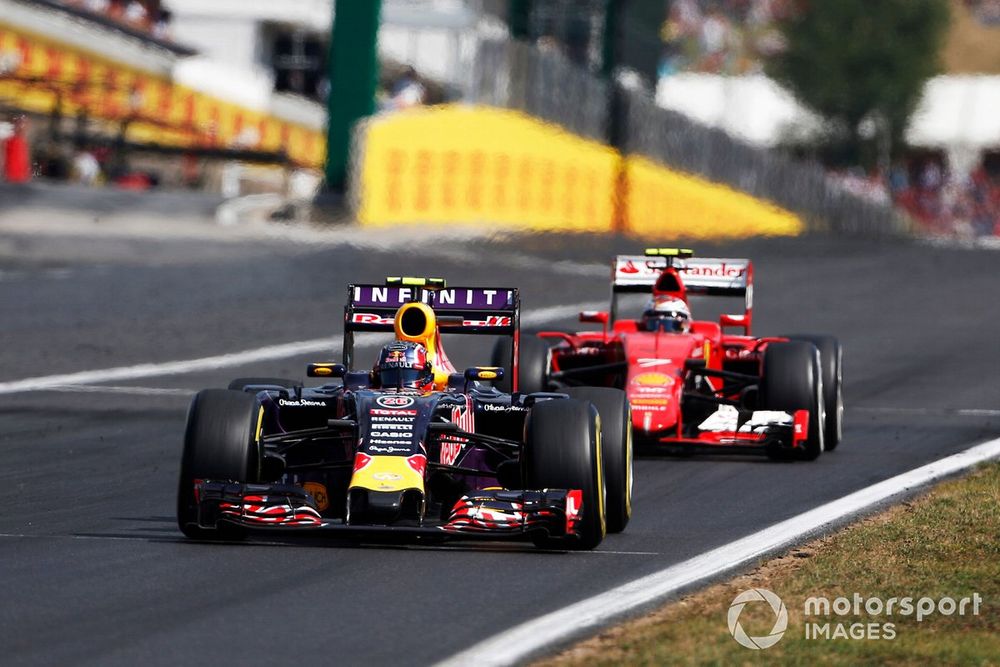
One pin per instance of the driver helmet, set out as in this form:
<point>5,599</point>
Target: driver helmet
<point>667,313</point>
<point>404,365</point>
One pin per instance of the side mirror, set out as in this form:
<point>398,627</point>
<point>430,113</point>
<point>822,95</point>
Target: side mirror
<point>483,373</point>
<point>595,316</point>
<point>329,370</point>
<point>695,365</point>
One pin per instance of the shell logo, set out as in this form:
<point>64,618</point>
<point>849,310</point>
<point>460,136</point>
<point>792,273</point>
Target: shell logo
<point>653,379</point>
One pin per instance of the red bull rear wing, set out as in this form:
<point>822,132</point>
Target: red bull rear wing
<point>493,311</point>
<point>465,310</point>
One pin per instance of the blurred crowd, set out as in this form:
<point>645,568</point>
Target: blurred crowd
<point>736,36</point>
<point>143,15</point>
<point>986,12</point>
<point>941,203</point>
<point>721,36</point>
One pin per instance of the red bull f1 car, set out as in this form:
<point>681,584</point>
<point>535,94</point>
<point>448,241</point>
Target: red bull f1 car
<point>691,384</point>
<point>455,458</point>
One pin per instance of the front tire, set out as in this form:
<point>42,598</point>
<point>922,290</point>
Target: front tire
<point>792,380</point>
<point>616,449</point>
<point>563,451</point>
<point>831,356</point>
<point>221,442</point>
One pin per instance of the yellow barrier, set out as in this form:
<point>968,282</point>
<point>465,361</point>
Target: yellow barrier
<point>488,167</point>
<point>665,204</point>
<point>480,165</point>
<point>158,111</point>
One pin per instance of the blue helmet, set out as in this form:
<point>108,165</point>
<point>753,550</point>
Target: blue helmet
<point>404,365</point>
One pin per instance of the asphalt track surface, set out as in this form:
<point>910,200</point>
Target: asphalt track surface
<point>94,571</point>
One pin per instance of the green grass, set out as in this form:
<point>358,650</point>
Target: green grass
<point>946,543</point>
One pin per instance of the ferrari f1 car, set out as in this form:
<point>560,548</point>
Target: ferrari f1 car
<point>690,385</point>
<point>363,454</point>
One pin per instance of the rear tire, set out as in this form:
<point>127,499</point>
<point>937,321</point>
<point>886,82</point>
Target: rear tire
<point>533,365</point>
<point>792,380</point>
<point>831,356</point>
<point>240,383</point>
<point>221,443</point>
<point>616,450</point>
<point>563,451</point>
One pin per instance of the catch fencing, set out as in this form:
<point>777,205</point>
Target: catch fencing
<point>803,187</point>
<point>515,75</point>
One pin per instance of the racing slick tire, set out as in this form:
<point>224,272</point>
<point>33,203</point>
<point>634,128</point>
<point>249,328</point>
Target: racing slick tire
<point>221,442</point>
<point>792,380</point>
<point>616,449</point>
<point>831,357</point>
<point>240,383</point>
<point>533,365</point>
<point>563,451</point>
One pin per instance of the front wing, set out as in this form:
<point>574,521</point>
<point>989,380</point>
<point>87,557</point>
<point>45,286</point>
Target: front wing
<point>485,514</point>
<point>764,431</point>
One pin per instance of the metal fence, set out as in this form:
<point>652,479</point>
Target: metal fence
<point>799,186</point>
<point>516,75</point>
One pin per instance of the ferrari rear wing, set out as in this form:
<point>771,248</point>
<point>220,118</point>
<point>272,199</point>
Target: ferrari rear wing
<point>708,276</point>
<point>492,311</point>
<point>702,275</point>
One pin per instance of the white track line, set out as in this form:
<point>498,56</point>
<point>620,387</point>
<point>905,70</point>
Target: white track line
<point>130,391</point>
<point>284,351</point>
<point>961,412</point>
<point>534,636</point>
<point>171,367</point>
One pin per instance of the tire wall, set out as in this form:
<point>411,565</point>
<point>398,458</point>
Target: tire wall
<point>698,208</point>
<point>490,167</point>
<point>454,164</point>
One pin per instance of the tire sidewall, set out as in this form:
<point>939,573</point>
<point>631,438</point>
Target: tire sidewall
<point>616,448</point>
<point>831,354</point>
<point>562,450</point>
<point>792,380</point>
<point>221,442</point>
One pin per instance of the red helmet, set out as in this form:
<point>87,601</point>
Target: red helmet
<point>404,365</point>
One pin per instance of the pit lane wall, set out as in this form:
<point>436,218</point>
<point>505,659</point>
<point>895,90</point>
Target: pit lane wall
<point>51,74</point>
<point>502,169</point>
